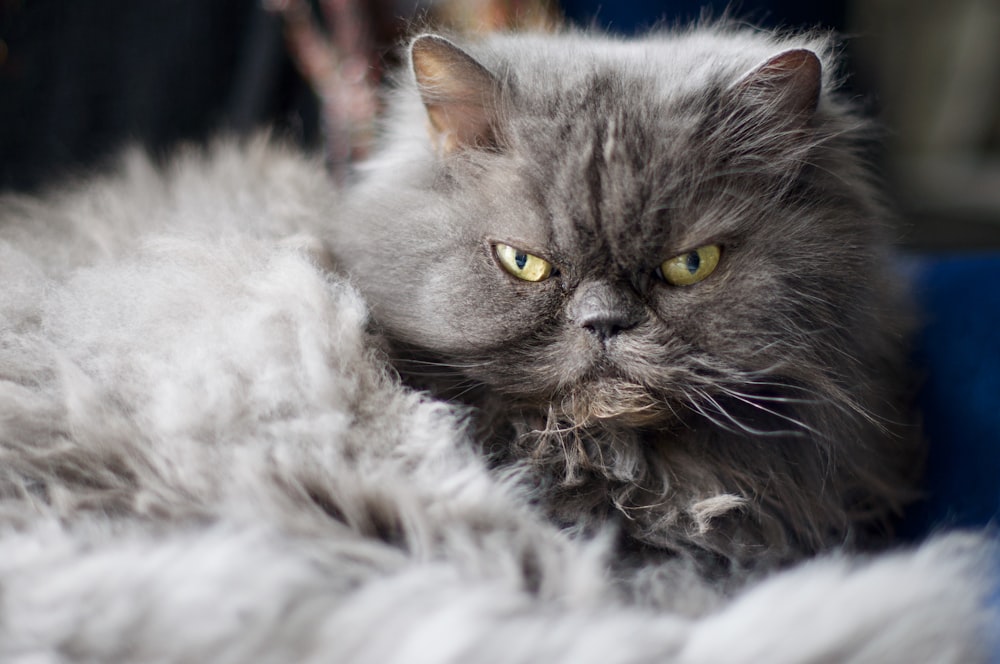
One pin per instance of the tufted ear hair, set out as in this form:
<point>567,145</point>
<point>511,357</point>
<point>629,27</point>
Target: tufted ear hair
<point>458,93</point>
<point>787,85</point>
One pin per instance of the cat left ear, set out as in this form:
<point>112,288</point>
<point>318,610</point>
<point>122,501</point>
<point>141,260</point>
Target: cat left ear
<point>787,84</point>
<point>458,93</point>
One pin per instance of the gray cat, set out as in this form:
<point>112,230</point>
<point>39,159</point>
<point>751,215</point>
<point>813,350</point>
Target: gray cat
<point>658,270</point>
<point>647,281</point>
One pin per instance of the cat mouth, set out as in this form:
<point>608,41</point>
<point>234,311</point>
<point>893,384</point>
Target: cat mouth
<point>606,398</point>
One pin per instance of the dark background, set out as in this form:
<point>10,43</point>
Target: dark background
<point>80,78</point>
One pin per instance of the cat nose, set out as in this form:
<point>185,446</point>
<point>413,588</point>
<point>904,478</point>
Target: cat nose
<point>604,310</point>
<point>605,326</point>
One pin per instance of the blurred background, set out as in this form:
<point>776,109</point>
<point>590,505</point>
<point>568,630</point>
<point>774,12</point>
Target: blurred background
<point>80,79</point>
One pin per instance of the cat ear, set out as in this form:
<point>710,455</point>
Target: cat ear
<point>787,84</point>
<point>458,93</point>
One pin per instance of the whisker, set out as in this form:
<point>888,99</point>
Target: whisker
<point>472,385</point>
<point>787,418</point>
<point>761,397</point>
<point>743,425</point>
<point>698,408</point>
<point>835,397</point>
<point>436,363</point>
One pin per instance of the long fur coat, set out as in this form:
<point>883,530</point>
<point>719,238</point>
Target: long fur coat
<point>205,458</point>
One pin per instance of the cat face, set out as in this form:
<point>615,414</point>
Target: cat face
<point>613,239</point>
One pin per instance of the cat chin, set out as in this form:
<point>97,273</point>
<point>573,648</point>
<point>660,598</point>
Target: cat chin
<point>612,402</point>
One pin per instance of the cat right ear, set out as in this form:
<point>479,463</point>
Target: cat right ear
<point>458,93</point>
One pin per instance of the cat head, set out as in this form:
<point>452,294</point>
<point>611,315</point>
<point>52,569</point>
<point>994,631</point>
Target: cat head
<point>624,230</point>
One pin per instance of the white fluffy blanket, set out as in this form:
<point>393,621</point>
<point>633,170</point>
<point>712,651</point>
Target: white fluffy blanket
<point>203,458</point>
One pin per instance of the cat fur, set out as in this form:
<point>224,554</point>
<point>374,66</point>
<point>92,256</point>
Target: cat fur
<point>749,420</point>
<point>205,455</point>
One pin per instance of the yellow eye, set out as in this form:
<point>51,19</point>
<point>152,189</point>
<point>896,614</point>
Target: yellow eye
<point>523,265</point>
<point>692,267</point>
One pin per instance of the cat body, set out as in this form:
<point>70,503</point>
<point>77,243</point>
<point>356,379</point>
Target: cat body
<point>207,454</point>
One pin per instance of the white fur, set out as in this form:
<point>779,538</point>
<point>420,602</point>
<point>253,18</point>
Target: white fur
<point>184,392</point>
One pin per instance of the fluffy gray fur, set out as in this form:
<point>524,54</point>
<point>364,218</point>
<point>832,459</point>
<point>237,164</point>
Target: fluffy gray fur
<point>754,417</point>
<point>206,456</point>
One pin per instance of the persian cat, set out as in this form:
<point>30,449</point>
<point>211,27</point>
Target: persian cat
<point>599,344</point>
<point>658,270</point>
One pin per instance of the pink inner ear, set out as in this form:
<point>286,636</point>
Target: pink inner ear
<point>792,80</point>
<point>457,92</point>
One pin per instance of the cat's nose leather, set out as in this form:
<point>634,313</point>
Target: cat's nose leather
<point>604,310</point>
<point>605,327</point>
